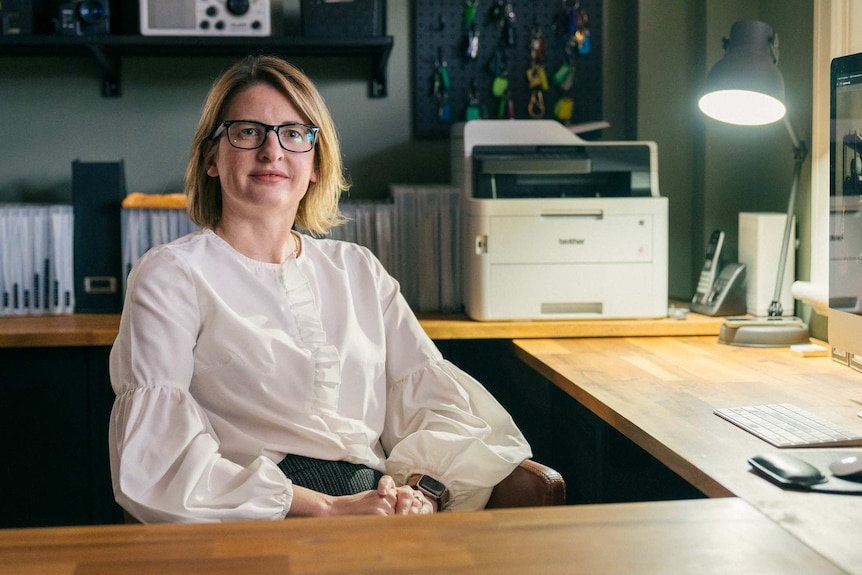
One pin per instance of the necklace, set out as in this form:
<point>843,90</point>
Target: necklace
<point>298,241</point>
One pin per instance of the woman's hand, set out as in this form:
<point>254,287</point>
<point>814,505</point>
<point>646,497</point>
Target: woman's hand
<point>387,499</point>
<point>408,500</point>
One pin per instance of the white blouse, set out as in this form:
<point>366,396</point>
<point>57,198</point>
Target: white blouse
<point>224,364</point>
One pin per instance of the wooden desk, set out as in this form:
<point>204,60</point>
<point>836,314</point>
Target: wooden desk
<point>660,393</point>
<point>101,329</point>
<point>704,537</point>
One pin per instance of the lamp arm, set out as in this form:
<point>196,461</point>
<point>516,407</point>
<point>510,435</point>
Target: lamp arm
<point>800,152</point>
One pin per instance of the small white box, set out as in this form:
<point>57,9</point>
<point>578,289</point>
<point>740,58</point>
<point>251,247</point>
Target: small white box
<point>760,239</point>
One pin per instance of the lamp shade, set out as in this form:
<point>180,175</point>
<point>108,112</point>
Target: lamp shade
<point>745,86</point>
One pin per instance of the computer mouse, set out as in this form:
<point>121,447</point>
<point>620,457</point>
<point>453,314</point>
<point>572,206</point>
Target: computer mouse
<point>849,467</point>
<point>787,469</point>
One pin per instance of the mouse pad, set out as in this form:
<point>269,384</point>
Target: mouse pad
<point>821,458</point>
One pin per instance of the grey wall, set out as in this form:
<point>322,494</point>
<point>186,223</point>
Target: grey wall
<point>656,54</point>
<point>52,113</point>
<point>711,171</point>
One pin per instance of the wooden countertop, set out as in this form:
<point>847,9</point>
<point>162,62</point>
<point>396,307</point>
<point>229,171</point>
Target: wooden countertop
<point>661,392</point>
<point>59,330</point>
<point>681,537</point>
<point>459,326</point>
<point>101,329</point>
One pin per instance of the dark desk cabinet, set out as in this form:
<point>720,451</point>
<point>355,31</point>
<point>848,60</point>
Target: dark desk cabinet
<point>599,464</point>
<point>54,410</point>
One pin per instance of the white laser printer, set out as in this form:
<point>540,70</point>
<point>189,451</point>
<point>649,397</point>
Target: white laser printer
<point>556,227</point>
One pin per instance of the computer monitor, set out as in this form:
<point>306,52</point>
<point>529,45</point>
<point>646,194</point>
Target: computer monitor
<point>845,210</point>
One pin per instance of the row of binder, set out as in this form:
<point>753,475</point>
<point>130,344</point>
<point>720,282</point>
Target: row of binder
<point>428,239</point>
<point>36,259</point>
<point>369,224</point>
<point>143,228</point>
<point>416,236</point>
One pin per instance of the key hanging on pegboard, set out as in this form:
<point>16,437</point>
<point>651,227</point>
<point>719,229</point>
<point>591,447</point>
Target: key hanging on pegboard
<point>486,46</point>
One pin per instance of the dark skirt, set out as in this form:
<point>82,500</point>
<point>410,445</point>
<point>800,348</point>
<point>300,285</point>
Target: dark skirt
<point>331,477</point>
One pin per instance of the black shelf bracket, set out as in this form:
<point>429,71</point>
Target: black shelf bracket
<point>110,65</point>
<point>380,63</point>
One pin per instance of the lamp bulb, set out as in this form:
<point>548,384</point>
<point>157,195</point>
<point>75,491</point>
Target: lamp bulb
<point>742,107</point>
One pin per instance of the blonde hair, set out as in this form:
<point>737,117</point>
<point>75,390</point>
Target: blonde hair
<point>318,211</point>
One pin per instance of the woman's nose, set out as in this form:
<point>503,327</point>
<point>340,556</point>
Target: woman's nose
<point>271,148</point>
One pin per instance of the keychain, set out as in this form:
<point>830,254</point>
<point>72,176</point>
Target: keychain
<point>563,109</point>
<point>474,108</point>
<point>470,7</point>
<point>564,76</point>
<point>536,107</point>
<point>441,91</point>
<point>500,85</point>
<point>500,89</point>
<point>472,41</point>
<point>472,51</point>
<point>504,14</point>
<point>536,77</point>
<point>510,25</point>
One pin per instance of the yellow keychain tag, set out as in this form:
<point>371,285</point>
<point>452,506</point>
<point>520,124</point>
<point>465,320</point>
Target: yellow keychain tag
<point>543,78</point>
<point>563,109</point>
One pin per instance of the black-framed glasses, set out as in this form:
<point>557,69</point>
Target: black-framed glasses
<point>250,135</point>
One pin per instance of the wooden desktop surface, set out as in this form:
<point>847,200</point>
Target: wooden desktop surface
<point>703,537</point>
<point>101,329</point>
<point>660,392</point>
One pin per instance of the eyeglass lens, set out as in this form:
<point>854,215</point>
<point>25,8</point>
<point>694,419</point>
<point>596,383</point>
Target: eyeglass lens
<point>250,135</point>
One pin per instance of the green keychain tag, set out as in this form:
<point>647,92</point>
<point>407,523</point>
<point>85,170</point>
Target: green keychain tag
<point>562,73</point>
<point>444,77</point>
<point>470,12</point>
<point>499,86</point>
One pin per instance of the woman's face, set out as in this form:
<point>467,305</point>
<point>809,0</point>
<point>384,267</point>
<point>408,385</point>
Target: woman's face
<point>268,180</point>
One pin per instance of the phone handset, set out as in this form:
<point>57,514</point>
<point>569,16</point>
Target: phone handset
<point>710,267</point>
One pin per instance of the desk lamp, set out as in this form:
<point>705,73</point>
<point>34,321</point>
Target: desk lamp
<point>746,88</point>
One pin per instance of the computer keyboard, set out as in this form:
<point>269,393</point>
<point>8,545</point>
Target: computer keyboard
<point>786,425</point>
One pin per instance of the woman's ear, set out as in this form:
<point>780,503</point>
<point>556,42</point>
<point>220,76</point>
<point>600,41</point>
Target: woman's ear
<point>209,157</point>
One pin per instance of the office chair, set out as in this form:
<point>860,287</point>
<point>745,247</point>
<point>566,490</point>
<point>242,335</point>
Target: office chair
<point>531,484</point>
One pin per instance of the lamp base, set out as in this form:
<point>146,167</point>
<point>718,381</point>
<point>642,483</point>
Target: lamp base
<point>781,331</point>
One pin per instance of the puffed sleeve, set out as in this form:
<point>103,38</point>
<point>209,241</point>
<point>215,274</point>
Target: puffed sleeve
<point>165,460</point>
<point>440,421</point>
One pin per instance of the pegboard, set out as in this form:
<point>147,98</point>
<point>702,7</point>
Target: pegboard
<point>440,35</point>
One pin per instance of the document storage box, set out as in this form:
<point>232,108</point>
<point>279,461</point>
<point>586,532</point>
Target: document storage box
<point>97,190</point>
<point>343,18</point>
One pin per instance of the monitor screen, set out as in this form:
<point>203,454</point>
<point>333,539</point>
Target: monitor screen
<point>845,204</point>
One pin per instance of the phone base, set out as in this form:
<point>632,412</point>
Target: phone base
<point>781,331</point>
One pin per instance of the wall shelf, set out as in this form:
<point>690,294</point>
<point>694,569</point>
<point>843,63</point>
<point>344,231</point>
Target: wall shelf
<point>109,50</point>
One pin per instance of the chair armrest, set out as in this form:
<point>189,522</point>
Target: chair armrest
<point>531,484</point>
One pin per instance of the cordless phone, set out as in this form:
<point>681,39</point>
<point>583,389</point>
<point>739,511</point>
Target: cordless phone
<point>710,267</point>
<point>720,289</point>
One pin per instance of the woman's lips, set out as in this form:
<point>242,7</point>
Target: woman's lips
<point>269,176</point>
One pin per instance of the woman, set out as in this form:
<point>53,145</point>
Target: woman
<point>261,373</point>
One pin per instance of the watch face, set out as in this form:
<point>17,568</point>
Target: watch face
<point>431,485</point>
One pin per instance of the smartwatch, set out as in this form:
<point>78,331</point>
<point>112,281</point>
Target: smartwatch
<point>431,488</point>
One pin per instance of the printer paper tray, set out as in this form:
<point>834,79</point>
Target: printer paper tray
<point>570,291</point>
